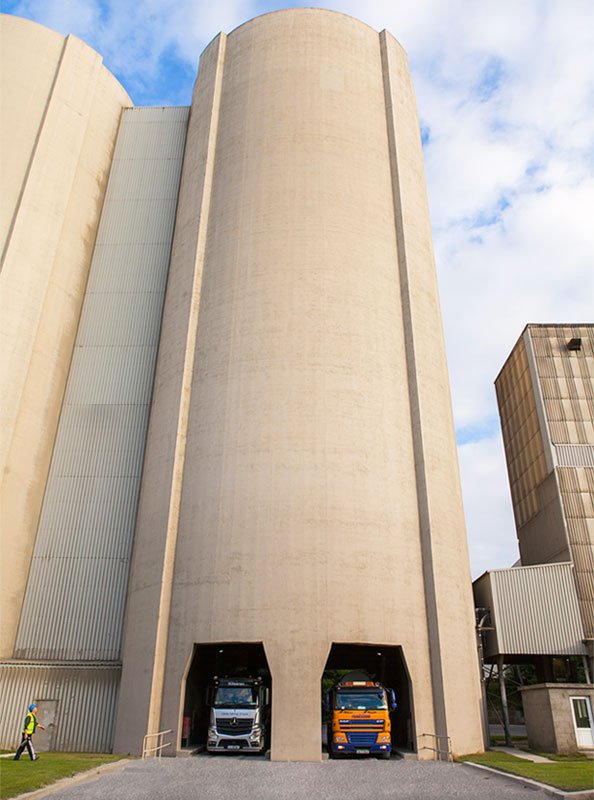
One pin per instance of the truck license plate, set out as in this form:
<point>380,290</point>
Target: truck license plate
<point>363,750</point>
<point>233,747</point>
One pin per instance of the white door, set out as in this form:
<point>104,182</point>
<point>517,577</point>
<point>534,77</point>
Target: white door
<point>582,719</point>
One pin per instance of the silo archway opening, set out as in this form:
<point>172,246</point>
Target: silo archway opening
<point>221,660</point>
<point>383,663</point>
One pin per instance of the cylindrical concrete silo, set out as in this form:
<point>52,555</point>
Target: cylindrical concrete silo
<point>61,111</point>
<point>300,484</point>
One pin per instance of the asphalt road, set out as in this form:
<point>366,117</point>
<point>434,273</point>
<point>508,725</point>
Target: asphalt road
<point>231,778</point>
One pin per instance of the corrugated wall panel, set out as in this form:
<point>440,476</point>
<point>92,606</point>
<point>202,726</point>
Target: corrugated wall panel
<point>124,319</point>
<point>74,604</point>
<point>575,455</point>
<point>535,610</point>
<point>100,441</point>
<point>138,221</point>
<point>86,703</point>
<point>122,274</point>
<point>110,376</point>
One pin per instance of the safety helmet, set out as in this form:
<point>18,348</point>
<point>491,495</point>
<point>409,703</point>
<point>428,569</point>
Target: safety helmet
<point>32,706</point>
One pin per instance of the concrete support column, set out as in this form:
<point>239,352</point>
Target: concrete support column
<point>296,723</point>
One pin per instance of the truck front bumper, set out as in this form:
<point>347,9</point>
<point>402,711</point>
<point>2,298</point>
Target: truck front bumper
<point>361,748</point>
<point>234,744</point>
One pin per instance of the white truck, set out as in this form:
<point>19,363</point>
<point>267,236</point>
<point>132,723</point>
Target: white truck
<point>239,715</point>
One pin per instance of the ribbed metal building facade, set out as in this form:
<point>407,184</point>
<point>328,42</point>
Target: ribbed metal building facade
<point>545,393</point>
<point>85,699</point>
<point>533,610</point>
<point>74,605</point>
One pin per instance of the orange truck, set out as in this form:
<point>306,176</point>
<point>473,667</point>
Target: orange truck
<point>360,721</point>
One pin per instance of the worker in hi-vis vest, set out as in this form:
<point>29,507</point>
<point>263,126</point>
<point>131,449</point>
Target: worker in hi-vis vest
<point>29,727</point>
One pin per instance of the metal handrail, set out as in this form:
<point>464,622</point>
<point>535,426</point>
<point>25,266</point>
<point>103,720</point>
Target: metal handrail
<point>439,750</point>
<point>158,747</point>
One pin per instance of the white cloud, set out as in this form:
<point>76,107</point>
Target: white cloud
<point>505,92</point>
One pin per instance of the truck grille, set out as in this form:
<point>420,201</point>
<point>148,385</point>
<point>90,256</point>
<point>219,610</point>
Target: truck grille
<point>362,723</point>
<point>234,726</point>
<point>362,739</point>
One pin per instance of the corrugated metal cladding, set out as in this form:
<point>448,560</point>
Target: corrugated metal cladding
<point>535,611</point>
<point>575,455</point>
<point>74,604</point>
<point>86,699</point>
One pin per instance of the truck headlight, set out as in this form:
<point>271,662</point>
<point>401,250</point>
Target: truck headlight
<point>383,737</point>
<point>212,732</point>
<point>340,737</point>
<point>256,733</point>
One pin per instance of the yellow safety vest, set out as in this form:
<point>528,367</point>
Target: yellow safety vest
<point>30,723</point>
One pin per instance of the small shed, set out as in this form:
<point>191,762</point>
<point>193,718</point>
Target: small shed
<point>559,717</point>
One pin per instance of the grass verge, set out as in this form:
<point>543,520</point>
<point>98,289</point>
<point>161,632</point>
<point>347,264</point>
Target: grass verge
<point>571,776</point>
<point>18,777</point>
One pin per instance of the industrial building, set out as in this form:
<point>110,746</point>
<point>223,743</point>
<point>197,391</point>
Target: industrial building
<point>541,611</point>
<point>229,444</point>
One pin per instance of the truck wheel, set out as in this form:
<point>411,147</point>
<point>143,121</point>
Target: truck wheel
<point>385,756</point>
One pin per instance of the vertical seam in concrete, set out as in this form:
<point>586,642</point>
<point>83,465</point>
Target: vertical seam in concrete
<point>160,653</point>
<point>439,711</point>
<point>32,157</point>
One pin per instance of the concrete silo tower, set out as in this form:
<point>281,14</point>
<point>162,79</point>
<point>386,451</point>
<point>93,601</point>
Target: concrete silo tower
<point>300,504</point>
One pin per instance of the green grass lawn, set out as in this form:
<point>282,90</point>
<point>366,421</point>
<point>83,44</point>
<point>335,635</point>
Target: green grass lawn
<point>570,775</point>
<point>17,777</point>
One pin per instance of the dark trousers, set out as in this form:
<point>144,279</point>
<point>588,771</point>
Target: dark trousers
<point>28,743</point>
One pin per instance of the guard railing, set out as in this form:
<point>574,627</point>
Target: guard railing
<point>441,746</point>
<point>156,750</point>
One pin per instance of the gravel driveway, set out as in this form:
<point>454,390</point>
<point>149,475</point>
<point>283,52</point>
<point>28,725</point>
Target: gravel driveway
<point>243,778</point>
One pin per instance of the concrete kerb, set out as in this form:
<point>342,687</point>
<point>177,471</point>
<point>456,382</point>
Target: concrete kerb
<point>551,790</point>
<point>82,777</point>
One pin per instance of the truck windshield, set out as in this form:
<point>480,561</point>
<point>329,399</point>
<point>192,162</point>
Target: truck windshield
<point>235,697</point>
<point>361,701</point>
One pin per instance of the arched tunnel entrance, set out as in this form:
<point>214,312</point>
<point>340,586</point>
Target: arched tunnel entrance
<point>223,660</point>
<point>385,664</point>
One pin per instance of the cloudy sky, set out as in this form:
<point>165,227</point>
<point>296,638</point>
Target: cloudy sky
<point>505,96</point>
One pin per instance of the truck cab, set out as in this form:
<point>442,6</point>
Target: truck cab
<point>239,715</point>
<point>360,721</point>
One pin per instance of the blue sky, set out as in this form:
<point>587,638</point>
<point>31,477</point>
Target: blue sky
<point>505,96</point>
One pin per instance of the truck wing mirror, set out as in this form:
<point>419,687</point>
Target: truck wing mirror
<point>209,696</point>
<point>327,701</point>
<point>393,703</point>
